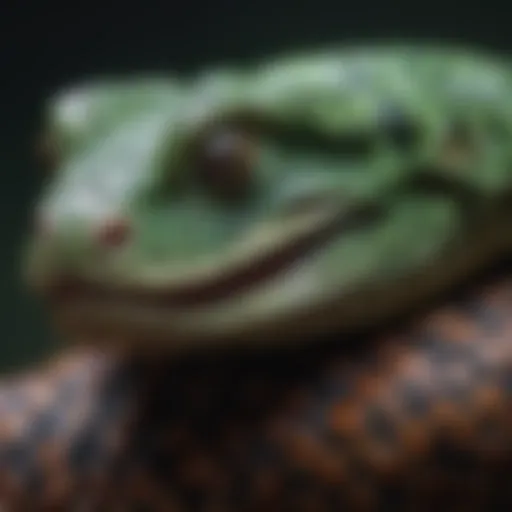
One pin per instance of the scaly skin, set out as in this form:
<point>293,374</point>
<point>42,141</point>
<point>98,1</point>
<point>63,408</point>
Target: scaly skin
<point>379,178</point>
<point>419,419</point>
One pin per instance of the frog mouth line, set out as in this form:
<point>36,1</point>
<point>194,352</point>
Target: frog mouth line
<point>227,285</point>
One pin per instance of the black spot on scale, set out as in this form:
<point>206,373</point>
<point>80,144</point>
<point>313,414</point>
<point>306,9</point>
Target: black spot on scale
<point>47,426</point>
<point>453,458</point>
<point>414,399</point>
<point>440,351</point>
<point>393,495</point>
<point>88,449</point>
<point>17,457</point>
<point>380,426</point>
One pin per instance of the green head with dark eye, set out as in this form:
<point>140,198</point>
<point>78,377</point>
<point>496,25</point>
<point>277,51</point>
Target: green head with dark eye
<point>285,199</point>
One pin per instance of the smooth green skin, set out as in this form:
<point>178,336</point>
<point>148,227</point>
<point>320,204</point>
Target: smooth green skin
<point>122,154</point>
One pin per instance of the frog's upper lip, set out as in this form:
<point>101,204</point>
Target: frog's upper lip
<point>217,287</point>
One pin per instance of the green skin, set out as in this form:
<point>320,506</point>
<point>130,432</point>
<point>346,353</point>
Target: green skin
<point>380,176</point>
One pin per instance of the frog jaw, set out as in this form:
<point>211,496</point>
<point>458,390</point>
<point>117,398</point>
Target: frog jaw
<point>268,264</point>
<point>288,311</point>
<point>294,303</point>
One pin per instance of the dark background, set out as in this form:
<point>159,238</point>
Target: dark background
<point>43,46</point>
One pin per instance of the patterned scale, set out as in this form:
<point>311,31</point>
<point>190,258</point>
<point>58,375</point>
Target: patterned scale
<point>417,419</point>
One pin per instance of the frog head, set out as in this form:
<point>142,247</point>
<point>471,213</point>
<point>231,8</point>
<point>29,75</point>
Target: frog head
<point>277,202</point>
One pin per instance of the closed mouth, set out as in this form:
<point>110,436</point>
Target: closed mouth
<point>229,283</point>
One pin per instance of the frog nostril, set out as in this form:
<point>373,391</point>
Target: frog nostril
<point>113,232</point>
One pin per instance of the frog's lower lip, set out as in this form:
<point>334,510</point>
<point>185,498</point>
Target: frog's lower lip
<point>254,272</point>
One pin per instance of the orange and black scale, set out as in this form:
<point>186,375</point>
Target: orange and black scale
<point>416,420</point>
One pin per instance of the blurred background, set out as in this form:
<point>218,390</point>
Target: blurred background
<point>43,47</point>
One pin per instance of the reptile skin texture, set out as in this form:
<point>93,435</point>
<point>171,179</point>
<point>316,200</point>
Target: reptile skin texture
<point>417,419</point>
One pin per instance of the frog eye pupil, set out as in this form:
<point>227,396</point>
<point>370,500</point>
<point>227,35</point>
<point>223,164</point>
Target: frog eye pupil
<point>225,161</point>
<point>222,145</point>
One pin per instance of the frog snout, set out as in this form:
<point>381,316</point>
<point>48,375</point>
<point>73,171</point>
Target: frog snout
<point>59,249</point>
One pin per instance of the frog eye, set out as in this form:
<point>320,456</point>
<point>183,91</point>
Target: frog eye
<point>225,161</point>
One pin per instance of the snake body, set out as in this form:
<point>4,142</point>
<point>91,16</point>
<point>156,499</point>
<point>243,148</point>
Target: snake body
<point>419,418</point>
<point>381,179</point>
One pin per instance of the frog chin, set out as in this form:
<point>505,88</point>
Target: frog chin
<point>291,308</point>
